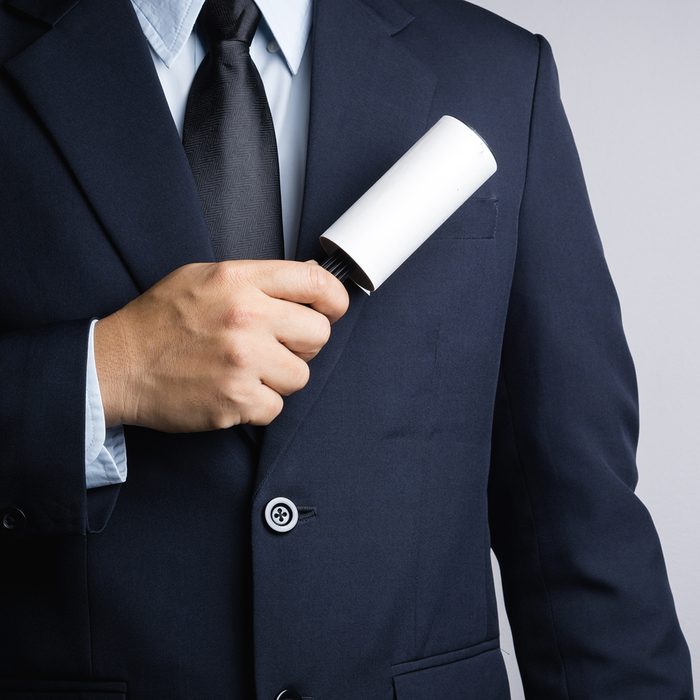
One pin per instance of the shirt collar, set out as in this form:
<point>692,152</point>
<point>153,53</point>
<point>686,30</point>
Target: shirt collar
<point>167,24</point>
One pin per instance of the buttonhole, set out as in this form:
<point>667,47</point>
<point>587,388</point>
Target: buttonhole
<point>306,512</point>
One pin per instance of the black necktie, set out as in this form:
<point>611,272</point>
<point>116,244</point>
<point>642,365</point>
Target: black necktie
<point>229,138</point>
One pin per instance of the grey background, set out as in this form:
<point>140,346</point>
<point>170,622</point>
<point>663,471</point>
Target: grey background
<point>630,79</point>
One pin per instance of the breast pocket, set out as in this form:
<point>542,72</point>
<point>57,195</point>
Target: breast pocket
<point>476,218</point>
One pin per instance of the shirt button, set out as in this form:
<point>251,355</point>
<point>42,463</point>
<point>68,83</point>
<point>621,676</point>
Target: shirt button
<point>12,518</point>
<point>289,694</point>
<point>281,515</point>
<point>272,46</point>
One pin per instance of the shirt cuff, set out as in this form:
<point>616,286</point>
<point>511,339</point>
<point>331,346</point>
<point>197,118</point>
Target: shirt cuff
<point>105,448</point>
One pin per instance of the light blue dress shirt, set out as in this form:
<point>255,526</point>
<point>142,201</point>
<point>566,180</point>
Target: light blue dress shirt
<point>279,52</point>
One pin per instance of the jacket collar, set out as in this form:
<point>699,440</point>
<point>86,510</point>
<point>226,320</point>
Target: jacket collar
<point>167,24</point>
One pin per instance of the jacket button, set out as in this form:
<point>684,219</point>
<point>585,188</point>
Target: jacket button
<point>289,694</point>
<point>281,515</point>
<point>12,518</point>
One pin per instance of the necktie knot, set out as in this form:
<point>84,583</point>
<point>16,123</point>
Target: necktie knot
<point>229,20</point>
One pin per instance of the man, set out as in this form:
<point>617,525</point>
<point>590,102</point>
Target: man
<point>315,475</point>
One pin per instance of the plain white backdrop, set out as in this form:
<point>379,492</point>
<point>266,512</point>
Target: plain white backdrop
<point>629,72</point>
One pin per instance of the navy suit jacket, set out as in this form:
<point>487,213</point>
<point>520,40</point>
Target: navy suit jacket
<point>483,397</point>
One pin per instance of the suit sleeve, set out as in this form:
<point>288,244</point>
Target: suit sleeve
<point>42,430</point>
<point>584,578</point>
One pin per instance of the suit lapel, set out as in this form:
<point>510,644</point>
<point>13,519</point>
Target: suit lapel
<point>92,82</point>
<point>370,101</point>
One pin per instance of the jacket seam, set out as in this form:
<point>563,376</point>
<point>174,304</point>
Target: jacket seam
<point>538,550</point>
<point>518,455</point>
<point>529,128</point>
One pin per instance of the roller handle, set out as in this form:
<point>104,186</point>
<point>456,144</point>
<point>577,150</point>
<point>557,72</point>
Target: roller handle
<point>339,265</point>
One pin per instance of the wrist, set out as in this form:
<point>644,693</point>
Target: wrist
<point>113,370</point>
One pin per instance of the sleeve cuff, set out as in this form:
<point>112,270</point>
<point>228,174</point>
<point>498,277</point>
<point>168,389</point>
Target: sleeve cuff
<point>105,448</point>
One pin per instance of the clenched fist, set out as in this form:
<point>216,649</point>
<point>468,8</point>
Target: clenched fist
<point>213,345</point>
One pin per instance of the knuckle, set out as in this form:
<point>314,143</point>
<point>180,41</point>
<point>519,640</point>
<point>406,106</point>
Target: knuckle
<point>266,408</point>
<point>239,316</point>
<point>322,332</point>
<point>343,299</point>
<point>233,395</point>
<point>339,298</point>
<point>301,373</point>
<point>219,274</point>
<point>228,273</point>
<point>239,354</point>
<point>222,409</point>
<point>307,355</point>
<point>273,406</point>
<point>315,277</point>
<point>220,421</point>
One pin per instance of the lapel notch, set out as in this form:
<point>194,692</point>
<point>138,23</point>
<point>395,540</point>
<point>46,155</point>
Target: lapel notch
<point>390,15</point>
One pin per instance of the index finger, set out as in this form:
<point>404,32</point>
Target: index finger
<point>305,283</point>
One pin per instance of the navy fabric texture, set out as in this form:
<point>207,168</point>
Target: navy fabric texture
<point>484,395</point>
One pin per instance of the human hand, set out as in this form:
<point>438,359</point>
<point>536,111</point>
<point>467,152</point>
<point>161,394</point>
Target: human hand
<point>213,345</point>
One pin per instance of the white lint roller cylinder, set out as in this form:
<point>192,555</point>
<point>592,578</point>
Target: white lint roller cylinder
<point>407,204</point>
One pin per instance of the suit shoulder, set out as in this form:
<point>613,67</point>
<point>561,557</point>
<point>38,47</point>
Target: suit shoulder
<point>464,25</point>
<point>461,11</point>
